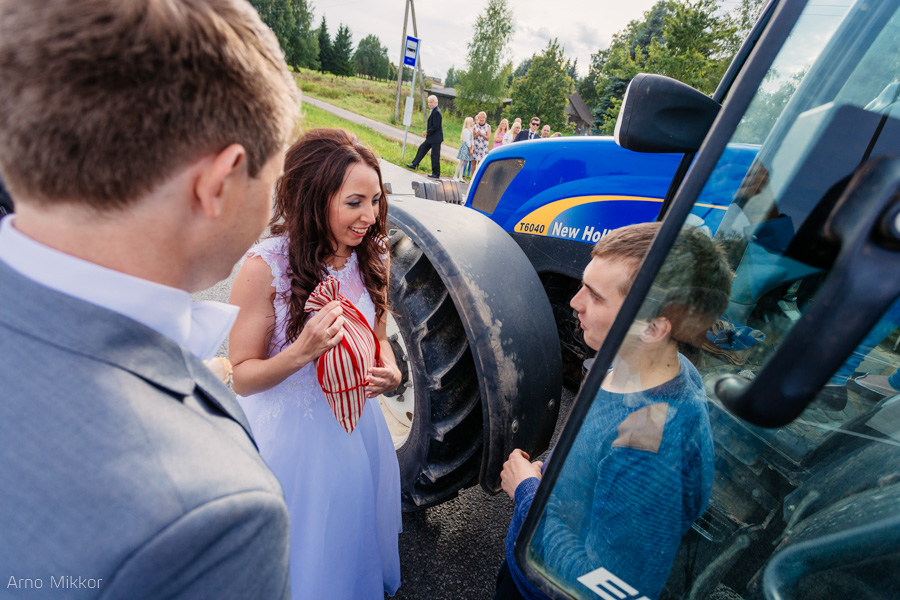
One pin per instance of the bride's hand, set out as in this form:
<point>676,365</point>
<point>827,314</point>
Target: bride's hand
<point>381,380</point>
<point>322,332</point>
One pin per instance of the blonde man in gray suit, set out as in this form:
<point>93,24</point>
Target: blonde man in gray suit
<point>141,141</point>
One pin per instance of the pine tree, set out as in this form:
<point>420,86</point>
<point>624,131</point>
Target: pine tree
<point>326,51</point>
<point>343,52</point>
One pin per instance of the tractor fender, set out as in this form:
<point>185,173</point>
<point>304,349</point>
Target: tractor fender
<point>507,320</point>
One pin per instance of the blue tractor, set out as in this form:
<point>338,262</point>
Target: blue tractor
<point>481,297</point>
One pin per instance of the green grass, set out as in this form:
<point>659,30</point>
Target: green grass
<point>387,148</point>
<point>373,99</point>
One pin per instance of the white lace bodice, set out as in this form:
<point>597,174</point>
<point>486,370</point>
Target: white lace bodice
<point>302,387</point>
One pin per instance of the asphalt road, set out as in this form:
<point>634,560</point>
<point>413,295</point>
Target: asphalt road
<point>448,150</point>
<point>451,551</point>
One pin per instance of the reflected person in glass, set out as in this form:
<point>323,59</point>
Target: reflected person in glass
<point>641,469</point>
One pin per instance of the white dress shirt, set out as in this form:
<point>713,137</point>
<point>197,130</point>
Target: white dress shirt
<point>201,327</point>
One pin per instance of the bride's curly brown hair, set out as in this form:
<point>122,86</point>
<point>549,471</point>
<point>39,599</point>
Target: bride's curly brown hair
<point>314,171</point>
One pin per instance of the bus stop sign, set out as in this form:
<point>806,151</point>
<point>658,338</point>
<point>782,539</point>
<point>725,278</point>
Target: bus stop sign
<point>412,48</point>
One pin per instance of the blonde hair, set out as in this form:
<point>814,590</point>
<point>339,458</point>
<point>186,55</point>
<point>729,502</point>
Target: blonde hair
<point>103,100</point>
<point>516,124</point>
<point>467,124</point>
<point>481,114</point>
<point>501,127</point>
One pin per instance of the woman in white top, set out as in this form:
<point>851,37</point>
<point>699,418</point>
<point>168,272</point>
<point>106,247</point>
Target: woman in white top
<point>512,133</point>
<point>342,490</point>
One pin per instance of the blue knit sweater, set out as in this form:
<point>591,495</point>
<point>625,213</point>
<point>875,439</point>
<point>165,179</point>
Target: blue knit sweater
<point>629,490</point>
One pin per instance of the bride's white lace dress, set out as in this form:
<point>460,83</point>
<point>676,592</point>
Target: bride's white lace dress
<point>342,491</point>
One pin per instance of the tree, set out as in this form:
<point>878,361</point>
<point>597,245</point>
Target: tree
<point>371,58</point>
<point>303,46</point>
<point>572,70</point>
<point>291,21</point>
<point>688,40</point>
<point>452,77</point>
<point>693,48</point>
<point>523,68</point>
<point>519,72</point>
<point>744,17</point>
<point>618,64</point>
<point>545,89</point>
<point>326,52</point>
<point>279,16</point>
<point>343,52</point>
<point>483,86</point>
<point>587,85</point>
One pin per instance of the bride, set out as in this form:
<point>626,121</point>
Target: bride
<point>342,490</point>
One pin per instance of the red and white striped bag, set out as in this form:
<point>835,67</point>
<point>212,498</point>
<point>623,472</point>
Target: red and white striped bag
<point>342,371</point>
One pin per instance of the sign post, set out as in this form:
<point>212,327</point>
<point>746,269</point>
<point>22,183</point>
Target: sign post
<point>411,58</point>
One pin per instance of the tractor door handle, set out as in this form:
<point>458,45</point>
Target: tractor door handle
<point>862,285</point>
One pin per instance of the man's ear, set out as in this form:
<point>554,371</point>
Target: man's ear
<point>215,176</point>
<point>656,330</point>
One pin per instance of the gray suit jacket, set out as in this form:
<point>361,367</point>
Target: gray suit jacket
<point>127,469</point>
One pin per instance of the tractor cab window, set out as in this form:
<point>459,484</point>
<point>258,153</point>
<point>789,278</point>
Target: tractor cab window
<point>663,492</point>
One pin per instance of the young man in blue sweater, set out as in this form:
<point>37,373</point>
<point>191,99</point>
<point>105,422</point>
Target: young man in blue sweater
<point>641,469</point>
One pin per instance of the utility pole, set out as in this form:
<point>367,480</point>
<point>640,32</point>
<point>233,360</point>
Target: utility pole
<point>400,62</point>
<point>410,7</point>
<point>410,57</point>
<point>421,73</point>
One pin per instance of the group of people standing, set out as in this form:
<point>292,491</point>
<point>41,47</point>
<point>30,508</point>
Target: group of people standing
<point>475,143</point>
<point>476,140</point>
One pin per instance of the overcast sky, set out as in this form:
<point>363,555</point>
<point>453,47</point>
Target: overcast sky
<point>445,26</point>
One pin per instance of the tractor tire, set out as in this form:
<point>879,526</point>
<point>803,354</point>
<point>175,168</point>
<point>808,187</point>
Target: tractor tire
<point>440,450</point>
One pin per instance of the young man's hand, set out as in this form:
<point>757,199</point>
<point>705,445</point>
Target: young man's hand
<point>382,379</point>
<point>516,470</point>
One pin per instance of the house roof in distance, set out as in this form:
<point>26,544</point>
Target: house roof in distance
<point>581,109</point>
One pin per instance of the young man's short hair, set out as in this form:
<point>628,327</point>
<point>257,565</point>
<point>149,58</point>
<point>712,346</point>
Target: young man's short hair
<point>103,100</point>
<point>629,245</point>
<point>693,286</point>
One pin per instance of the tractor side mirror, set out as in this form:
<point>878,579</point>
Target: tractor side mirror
<point>661,114</point>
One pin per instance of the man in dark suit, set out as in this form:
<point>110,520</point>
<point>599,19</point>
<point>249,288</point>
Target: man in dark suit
<point>141,141</point>
<point>532,133</point>
<point>434,135</point>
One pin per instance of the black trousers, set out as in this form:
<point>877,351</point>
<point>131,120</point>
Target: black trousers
<point>435,148</point>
